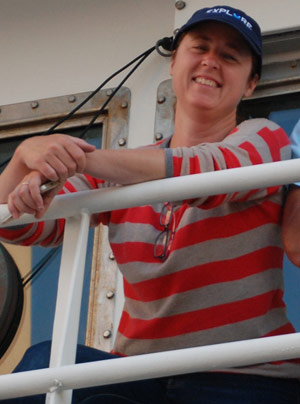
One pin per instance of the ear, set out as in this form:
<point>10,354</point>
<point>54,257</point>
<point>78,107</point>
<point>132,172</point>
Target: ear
<point>172,63</point>
<point>252,83</point>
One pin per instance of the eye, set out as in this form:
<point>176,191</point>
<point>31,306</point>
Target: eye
<point>230,57</point>
<point>200,48</point>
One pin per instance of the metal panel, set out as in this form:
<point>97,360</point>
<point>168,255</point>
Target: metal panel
<point>37,116</point>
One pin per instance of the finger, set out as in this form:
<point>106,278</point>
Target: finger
<point>12,208</point>
<point>47,199</point>
<point>37,201</point>
<point>85,146</point>
<point>76,159</point>
<point>20,202</point>
<point>29,194</point>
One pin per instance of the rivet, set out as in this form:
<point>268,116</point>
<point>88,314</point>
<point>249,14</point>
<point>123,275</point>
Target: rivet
<point>180,5</point>
<point>110,294</point>
<point>34,105</point>
<point>122,141</point>
<point>107,334</point>
<point>294,64</point>
<point>161,99</point>
<point>72,98</point>
<point>111,256</point>
<point>109,92</point>
<point>158,136</point>
<point>124,104</point>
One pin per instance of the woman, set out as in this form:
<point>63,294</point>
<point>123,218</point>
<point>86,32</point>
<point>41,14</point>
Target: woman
<point>196,272</point>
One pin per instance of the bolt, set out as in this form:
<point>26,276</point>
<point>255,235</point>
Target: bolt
<point>124,104</point>
<point>122,141</point>
<point>34,105</point>
<point>294,64</point>
<point>109,92</point>
<point>180,5</point>
<point>111,256</point>
<point>161,99</point>
<point>107,334</point>
<point>110,294</point>
<point>158,136</point>
<point>72,98</point>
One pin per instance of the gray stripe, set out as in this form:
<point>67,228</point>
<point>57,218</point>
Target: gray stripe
<point>253,328</point>
<point>169,163</point>
<point>127,231</point>
<point>207,296</point>
<point>205,252</point>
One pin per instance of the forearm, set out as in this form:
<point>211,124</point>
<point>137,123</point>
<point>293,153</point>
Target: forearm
<point>128,166</point>
<point>291,225</point>
<point>11,176</point>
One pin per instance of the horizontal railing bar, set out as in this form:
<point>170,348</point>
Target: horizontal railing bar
<point>169,189</point>
<point>139,367</point>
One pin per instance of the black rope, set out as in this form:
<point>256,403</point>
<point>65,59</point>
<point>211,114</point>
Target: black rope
<point>71,113</point>
<point>142,56</point>
<point>100,111</point>
<point>139,59</point>
<point>39,266</point>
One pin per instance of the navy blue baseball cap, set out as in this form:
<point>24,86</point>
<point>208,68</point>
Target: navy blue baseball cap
<point>239,20</point>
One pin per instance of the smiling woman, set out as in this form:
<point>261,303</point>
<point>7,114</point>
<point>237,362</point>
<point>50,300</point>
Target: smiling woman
<point>196,272</point>
<point>211,71</point>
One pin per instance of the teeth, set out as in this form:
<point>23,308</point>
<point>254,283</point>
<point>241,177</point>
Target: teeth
<point>207,82</point>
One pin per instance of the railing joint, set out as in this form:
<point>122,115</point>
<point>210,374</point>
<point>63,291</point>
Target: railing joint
<point>57,385</point>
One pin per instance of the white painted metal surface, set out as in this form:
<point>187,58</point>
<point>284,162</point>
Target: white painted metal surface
<point>161,364</point>
<point>66,323</point>
<point>62,378</point>
<point>169,189</point>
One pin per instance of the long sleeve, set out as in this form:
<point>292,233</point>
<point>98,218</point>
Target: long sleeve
<point>255,141</point>
<point>50,232</point>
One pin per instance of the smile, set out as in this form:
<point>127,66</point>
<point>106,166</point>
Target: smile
<point>207,82</point>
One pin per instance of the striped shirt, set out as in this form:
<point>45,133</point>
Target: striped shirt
<point>221,279</point>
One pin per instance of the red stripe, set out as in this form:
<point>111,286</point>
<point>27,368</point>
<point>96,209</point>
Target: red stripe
<point>143,214</point>
<point>229,225</point>
<point>230,158</point>
<point>273,190</point>
<point>200,320</point>
<point>70,187</point>
<point>134,252</point>
<point>254,156</point>
<point>204,275</point>
<point>214,201</point>
<point>194,163</point>
<point>245,197</point>
<point>285,329</point>
<point>14,234</point>
<point>275,140</point>
<point>93,181</point>
<point>177,163</point>
<point>35,236</point>
<point>207,229</point>
<point>56,234</point>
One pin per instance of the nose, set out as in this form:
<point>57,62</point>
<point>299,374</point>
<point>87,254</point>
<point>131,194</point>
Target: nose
<point>210,60</point>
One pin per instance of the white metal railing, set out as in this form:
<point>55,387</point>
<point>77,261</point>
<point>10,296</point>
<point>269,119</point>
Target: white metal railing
<point>62,376</point>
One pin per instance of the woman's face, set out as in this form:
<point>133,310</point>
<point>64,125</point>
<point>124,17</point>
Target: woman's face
<point>211,69</point>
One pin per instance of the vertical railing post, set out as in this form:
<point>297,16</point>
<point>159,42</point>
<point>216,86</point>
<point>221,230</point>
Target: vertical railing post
<point>68,302</point>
